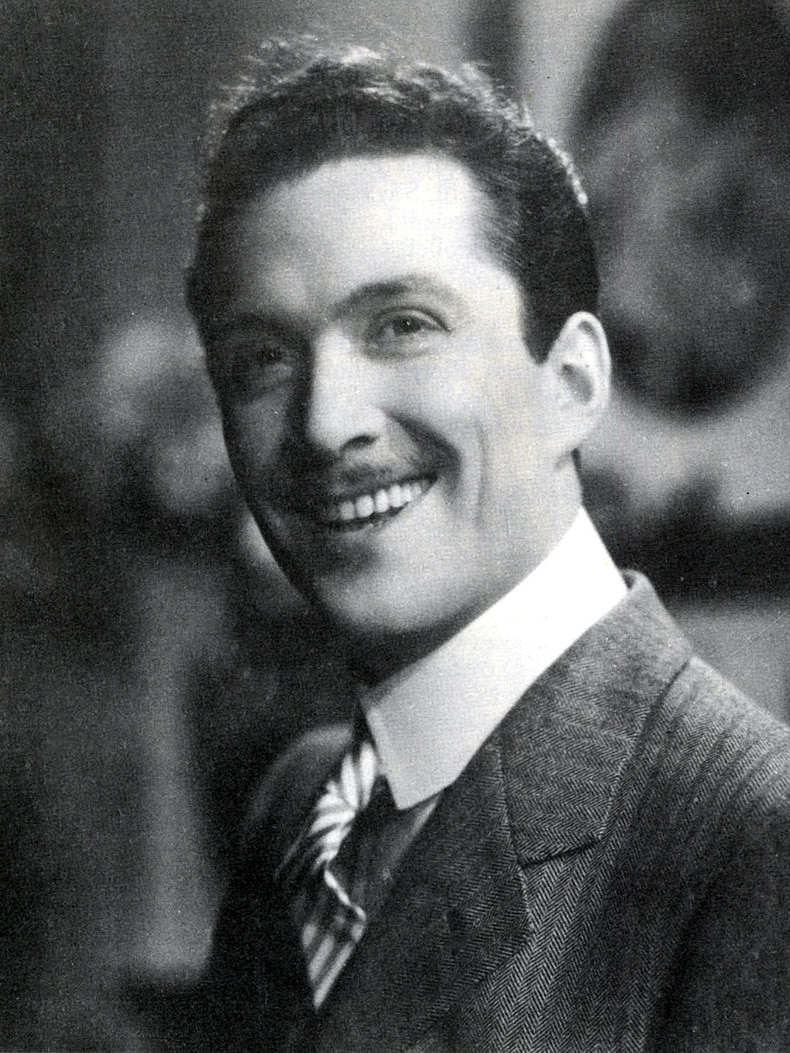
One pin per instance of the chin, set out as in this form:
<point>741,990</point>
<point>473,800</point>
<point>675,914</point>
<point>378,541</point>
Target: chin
<point>386,632</point>
<point>360,619</point>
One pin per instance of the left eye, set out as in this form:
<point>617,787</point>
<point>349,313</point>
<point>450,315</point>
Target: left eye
<point>406,325</point>
<point>405,331</point>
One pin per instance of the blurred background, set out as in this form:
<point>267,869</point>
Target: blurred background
<point>152,659</point>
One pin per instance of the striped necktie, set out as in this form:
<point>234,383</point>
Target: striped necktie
<point>330,923</point>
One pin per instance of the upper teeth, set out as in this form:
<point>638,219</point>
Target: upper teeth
<point>380,501</point>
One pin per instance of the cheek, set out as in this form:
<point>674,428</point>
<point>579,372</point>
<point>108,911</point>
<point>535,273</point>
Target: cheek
<point>252,437</point>
<point>435,410</point>
<point>497,462</point>
<point>519,442</point>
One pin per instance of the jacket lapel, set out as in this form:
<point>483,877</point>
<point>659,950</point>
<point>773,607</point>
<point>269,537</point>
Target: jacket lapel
<point>455,910</point>
<point>564,746</point>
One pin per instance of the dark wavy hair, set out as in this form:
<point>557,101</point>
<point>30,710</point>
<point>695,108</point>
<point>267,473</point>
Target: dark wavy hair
<point>298,107</point>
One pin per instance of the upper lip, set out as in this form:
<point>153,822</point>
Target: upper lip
<point>340,482</point>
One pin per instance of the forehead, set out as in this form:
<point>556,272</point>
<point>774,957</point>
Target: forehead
<point>417,182</point>
<point>363,219</point>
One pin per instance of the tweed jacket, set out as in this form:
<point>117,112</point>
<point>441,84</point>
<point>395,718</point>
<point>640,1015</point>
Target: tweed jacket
<point>610,872</point>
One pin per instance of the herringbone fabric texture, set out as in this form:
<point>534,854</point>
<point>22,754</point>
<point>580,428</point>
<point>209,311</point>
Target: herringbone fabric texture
<point>330,922</point>
<point>610,873</point>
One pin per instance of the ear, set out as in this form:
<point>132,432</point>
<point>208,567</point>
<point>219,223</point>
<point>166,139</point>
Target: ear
<point>581,367</point>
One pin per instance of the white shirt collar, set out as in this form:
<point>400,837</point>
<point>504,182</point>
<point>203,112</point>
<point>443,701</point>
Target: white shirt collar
<point>430,718</point>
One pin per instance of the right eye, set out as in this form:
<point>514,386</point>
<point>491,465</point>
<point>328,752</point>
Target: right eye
<point>248,366</point>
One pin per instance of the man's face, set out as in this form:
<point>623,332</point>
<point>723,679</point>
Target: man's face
<point>394,438</point>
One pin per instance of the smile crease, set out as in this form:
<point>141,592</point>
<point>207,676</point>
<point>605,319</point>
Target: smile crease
<point>381,502</point>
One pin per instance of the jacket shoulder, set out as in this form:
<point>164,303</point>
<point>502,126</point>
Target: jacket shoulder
<point>728,764</point>
<point>720,746</point>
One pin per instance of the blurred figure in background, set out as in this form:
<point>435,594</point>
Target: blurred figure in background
<point>693,230</point>
<point>682,133</point>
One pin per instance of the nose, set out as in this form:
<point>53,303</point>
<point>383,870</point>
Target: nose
<point>340,404</point>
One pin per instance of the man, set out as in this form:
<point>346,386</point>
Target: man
<point>581,841</point>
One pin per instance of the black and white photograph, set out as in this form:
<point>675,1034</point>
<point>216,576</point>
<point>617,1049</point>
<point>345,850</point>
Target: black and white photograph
<point>395,545</point>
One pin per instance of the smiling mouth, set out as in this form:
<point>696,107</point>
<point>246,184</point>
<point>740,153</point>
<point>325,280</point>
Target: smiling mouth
<point>370,509</point>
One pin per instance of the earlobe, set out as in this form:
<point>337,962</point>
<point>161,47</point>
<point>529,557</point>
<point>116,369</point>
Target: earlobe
<point>581,365</point>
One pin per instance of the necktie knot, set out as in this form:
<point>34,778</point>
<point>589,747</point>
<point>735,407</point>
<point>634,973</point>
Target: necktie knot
<point>344,796</point>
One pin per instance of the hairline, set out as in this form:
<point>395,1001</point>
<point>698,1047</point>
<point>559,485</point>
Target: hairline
<point>489,224</point>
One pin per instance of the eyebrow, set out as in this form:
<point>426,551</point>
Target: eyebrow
<point>404,285</point>
<point>241,320</point>
<point>370,292</point>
